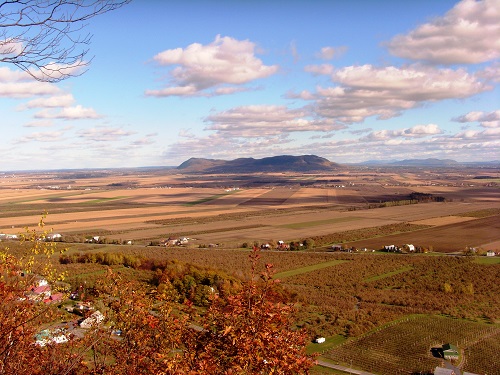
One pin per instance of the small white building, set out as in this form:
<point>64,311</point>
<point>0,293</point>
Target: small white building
<point>490,253</point>
<point>319,340</point>
<point>94,319</point>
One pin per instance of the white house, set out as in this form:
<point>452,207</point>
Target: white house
<point>94,319</point>
<point>319,340</point>
<point>490,253</point>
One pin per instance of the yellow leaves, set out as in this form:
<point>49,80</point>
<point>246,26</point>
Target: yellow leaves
<point>226,330</point>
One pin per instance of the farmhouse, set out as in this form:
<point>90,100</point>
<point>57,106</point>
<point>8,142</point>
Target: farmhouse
<point>94,319</point>
<point>4,236</point>
<point>53,237</point>
<point>450,351</point>
<point>319,340</point>
<point>410,247</point>
<point>490,253</point>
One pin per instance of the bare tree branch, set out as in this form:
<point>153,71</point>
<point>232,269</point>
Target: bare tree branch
<point>46,38</point>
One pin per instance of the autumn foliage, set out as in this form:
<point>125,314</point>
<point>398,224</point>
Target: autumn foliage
<point>246,329</point>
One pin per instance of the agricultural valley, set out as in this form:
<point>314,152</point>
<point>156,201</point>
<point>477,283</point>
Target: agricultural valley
<point>386,262</point>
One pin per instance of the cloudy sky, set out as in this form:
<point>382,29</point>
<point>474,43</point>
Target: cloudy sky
<point>346,80</point>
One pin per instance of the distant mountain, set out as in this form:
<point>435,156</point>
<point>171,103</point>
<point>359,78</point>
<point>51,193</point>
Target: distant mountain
<point>283,163</point>
<point>431,162</point>
<point>427,162</point>
<point>413,162</point>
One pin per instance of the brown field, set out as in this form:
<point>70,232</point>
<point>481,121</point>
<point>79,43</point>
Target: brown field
<point>444,238</point>
<point>150,205</point>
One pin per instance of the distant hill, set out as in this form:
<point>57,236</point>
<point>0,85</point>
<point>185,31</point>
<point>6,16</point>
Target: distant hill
<point>283,163</point>
<point>431,162</point>
<point>427,162</point>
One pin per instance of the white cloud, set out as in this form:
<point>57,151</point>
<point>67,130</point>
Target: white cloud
<point>53,136</point>
<point>486,119</point>
<point>365,91</point>
<point>328,53</point>
<point>17,84</point>
<point>39,124</point>
<point>324,69</point>
<point>266,120</point>
<point>417,131</point>
<point>49,102</point>
<point>467,34</point>
<point>10,47</point>
<point>104,134</point>
<point>200,68</point>
<point>69,113</point>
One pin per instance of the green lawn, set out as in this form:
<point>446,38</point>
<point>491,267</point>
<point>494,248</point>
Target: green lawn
<point>330,342</point>
<point>487,260</point>
<point>388,274</point>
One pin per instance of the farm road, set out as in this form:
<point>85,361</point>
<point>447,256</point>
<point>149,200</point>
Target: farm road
<point>343,368</point>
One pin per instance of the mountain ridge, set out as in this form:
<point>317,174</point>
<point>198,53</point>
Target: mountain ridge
<point>281,163</point>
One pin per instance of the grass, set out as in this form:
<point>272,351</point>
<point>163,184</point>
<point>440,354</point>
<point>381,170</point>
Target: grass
<point>314,267</point>
<point>487,260</point>
<point>388,274</point>
<point>330,342</point>
<point>308,224</point>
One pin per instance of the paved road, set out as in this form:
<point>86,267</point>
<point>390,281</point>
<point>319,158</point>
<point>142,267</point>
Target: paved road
<point>343,368</point>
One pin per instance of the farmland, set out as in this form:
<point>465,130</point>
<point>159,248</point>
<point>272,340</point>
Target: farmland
<point>149,205</point>
<point>359,297</point>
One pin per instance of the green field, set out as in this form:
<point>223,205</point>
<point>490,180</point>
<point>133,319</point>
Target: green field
<point>388,274</point>
<point>302,270</point>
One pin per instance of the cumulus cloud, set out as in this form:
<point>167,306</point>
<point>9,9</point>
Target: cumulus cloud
<point>328,53</point>
<point>467,34</point>
<point>55,101</point>
<point>364,91</point>
<point>267,120</point>
<point>485,119</point>
<point>17,84</point>
<point>104,134</point>
<point>201,68</point>
<point>69,113</point>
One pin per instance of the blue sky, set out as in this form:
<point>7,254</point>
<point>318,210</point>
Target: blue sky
<point>346,80</point>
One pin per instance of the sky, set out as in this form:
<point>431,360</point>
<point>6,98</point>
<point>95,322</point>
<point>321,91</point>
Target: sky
<point>349,81</point>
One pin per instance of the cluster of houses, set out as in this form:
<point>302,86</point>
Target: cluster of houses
<point>4,236</point>
<point>281,245</point>
<point>174,241</point>
<point>42,292</point>
<point>350,249</point>
<point>408,248</point>
<point>50,237</point>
